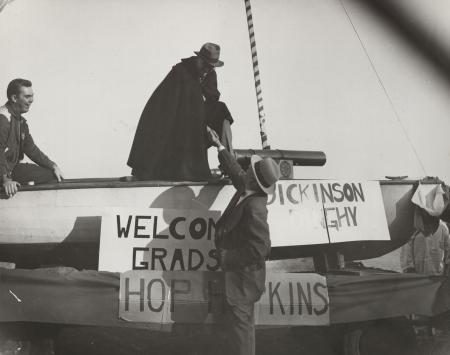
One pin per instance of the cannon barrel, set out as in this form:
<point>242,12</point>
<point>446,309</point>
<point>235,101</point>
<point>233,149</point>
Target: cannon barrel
<point>298,157</point>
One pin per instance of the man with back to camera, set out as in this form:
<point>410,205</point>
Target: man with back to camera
<point>243,243</point>
<point>16,141</point>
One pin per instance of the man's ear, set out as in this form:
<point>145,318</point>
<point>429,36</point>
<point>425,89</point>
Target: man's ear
<point>14,98</point>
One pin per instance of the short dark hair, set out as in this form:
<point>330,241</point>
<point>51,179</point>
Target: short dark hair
<point>15,85</point>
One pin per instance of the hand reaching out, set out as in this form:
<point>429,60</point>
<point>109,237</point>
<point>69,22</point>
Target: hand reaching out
<point>58,173</point>
<point>213,138</point>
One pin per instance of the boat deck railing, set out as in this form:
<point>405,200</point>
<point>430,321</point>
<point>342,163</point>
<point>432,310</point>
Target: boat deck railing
<point>129,182</point>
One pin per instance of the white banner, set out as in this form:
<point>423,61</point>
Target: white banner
<point>302,212</point>
<point>198,297</point>
<point>306,212</point>
<point>158,239</point>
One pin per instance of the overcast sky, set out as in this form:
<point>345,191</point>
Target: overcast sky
<point>335,77</point>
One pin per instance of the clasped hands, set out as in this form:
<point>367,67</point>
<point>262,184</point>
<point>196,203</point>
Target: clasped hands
<point>213,137</point>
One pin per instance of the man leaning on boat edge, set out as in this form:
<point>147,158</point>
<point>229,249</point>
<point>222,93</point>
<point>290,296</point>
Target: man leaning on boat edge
<point>16,142</point>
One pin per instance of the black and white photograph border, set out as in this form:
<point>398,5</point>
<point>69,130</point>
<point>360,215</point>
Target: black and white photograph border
<point>224,177</point>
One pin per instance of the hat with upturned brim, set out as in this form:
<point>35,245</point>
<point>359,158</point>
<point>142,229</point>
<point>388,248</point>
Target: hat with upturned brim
<point>267,173</point>
<point>210,52</point>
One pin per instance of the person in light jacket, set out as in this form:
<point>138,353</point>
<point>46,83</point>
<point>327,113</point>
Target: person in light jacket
<point>16,142</point>
<point>427,253</point>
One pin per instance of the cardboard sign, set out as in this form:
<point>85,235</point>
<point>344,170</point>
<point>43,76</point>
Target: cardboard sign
<point>301,212</point>
<point>158,239</point>
<point>199,297</point>
<point>326,211</point>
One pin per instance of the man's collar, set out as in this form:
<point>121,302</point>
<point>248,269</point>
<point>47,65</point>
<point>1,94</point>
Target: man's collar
<point>189,63</point>
<point>5,112</point>
<point>13,113</point>
<point>249,192</point>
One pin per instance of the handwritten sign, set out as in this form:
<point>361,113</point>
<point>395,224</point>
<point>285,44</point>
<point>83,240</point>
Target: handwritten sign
<point>301,212</point>
<point>198,297</point>
<point>327,211</point>
<point>158,239</point>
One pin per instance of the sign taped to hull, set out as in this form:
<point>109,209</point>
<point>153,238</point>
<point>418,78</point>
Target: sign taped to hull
<point>301,212</point>
<point>326,211</point>
<point>198,297</point>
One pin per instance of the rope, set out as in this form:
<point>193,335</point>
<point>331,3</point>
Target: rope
<point>259,100</point>
<point>3,3</point>
<point>397,116</point>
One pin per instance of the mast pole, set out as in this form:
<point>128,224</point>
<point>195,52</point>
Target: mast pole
<point>259,100</point>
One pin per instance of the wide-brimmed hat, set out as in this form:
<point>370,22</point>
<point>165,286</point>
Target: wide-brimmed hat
<point>210,52</point>
<point>267,172</point>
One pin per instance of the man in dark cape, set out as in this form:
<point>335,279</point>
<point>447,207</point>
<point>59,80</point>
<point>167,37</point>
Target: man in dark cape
<point>171,138</point>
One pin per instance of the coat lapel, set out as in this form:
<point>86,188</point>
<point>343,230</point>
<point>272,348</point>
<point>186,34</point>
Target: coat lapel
<point>233,202</point>
<point>233,212</point>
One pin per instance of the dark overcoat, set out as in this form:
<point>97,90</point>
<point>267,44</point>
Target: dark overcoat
<point>242,233</point>
<point>170,141</point>
<point>242,230</point>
